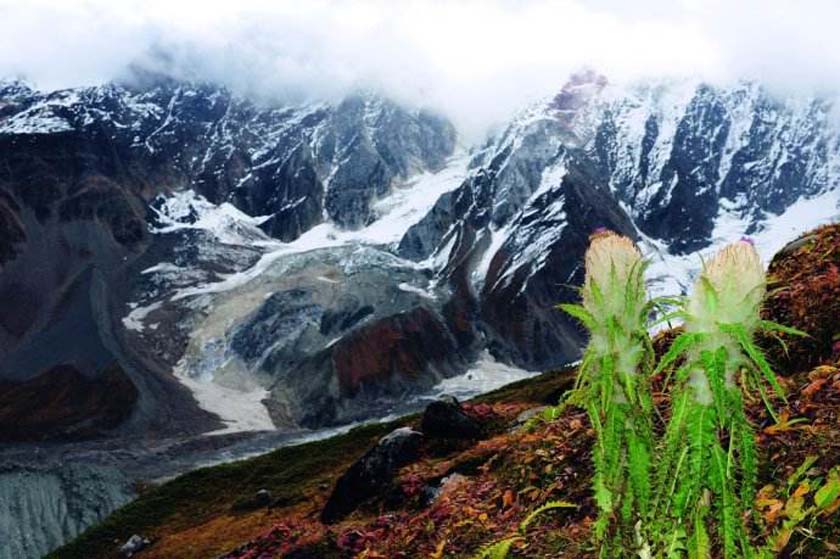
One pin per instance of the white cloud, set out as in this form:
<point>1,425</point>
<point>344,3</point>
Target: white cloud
<point>477,60</point>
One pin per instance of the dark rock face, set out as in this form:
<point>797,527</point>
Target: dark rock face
<point>444,419</point>
<point>11,230</point>
<point>692,145</point>
<point>62,404</point>
<point>368,371</point>
<point>392,144</point>
<point>700,145</point>
<point>399,345</point>
<point>372,474</point>
<point>516,235</point>
<point>284,314</point>
<point>518,300</point>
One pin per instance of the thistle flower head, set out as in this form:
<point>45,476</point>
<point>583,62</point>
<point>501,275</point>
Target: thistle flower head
<point>730,288</point>
<point>613,266</point>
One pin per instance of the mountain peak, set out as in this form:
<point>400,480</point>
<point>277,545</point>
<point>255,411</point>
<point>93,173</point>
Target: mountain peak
<point>579,90</point>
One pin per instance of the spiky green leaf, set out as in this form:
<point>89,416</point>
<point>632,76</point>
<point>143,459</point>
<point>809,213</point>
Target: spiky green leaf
<point>680,345</point>
<point>770,326</point>
<point>580,313</point>
<point>739,333</point>
<point>549,506</point>
<point>497,550</point>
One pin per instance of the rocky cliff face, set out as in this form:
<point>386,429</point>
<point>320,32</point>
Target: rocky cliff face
<point>676,155</point>
<point>678,166</point>
<point>41,507</point>
<point>100,185</point>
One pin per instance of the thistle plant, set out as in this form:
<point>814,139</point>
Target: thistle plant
<point>707,459</point>
<point>613,387</point>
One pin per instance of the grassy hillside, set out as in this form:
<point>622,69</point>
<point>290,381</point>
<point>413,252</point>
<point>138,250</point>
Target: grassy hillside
<point>197,515</point>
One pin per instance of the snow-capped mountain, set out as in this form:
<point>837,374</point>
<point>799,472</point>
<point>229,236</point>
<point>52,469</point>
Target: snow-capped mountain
<point>308,265</point>
<point>195,198</point>
<point>206,263</point>
<point>130,214</point>
<point>681,166</point>
<point>122,195</point>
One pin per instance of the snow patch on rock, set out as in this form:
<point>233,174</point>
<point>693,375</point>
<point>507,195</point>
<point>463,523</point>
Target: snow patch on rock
<point>485,375</point>
<point>188,210</point>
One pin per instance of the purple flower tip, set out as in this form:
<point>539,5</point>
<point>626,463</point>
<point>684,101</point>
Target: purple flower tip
<point>600,230</point>
<point>748,240</point>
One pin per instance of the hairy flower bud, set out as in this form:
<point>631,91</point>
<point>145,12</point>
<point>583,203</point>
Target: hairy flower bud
<point>612,264</point>
<point>729,290</point>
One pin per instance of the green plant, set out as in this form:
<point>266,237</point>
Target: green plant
<point>501,548</point>
<point>797,506</point>
<point>613,387</point>
<point>707,458</point>
<point>706,461</point>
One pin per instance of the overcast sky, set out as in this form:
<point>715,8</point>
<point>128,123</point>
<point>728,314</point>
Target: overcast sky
<point>475,60</point>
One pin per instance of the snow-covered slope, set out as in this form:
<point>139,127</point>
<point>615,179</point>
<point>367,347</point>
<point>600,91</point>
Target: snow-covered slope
<point>237,324</point>
<point>682,166</point>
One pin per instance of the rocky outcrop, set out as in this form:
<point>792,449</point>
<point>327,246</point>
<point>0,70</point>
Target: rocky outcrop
<point>804,293</point>
<point>384,143</point>
<point>368,371</point>
<point>538,266</point>
<point>445,419</point>
<point>134,545</point>
<point>371,475</point>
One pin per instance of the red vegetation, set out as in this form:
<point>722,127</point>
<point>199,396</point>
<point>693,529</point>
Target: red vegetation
<point>804,292</point>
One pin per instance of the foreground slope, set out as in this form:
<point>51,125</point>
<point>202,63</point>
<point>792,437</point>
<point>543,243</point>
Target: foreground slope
<point>457,495</point>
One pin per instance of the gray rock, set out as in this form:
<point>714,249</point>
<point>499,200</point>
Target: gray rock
<point>371,475</point>
<point>793,246</point>
<point>258,500</point>
<point>134,545</point>
<point>41,507</point>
